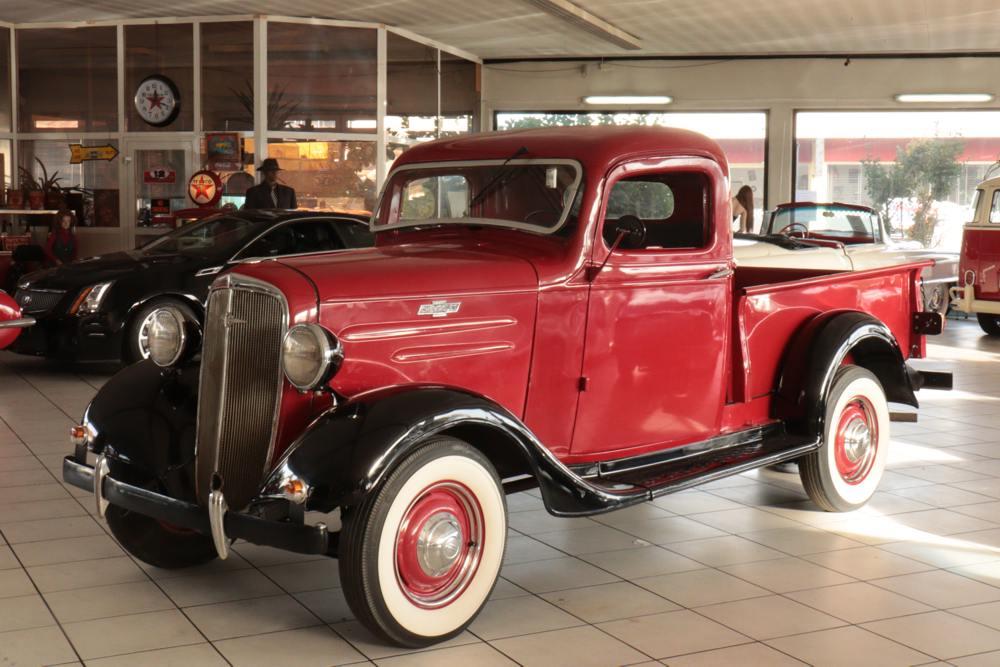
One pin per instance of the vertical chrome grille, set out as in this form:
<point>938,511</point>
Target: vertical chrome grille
<point>240,388</point>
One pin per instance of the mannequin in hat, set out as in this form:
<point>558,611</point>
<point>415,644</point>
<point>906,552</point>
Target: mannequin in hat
<point>269,193</point>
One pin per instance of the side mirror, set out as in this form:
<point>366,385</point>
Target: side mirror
<point>632,232</point>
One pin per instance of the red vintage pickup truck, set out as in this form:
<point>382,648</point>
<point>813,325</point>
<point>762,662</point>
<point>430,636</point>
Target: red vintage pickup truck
<point>555,308</point>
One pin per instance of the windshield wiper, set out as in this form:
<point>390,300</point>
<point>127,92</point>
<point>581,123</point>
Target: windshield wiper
<point>497,179</point>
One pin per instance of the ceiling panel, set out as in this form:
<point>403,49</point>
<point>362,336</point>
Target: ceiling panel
<point>518,28</point>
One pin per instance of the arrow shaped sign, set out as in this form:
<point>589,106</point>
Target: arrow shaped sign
<point>80,153</point>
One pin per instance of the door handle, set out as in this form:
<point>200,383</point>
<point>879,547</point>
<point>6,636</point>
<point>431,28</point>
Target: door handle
<point>721,273</point>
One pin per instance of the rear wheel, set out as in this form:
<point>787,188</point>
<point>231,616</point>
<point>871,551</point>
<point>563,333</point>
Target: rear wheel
<point>989,323</point>
<point>845,471</point>
<point>420,557</point>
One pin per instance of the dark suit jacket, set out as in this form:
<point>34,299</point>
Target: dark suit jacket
<point>259,196</point>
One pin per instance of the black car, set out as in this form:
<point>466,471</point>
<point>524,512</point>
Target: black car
<point>98,309</point>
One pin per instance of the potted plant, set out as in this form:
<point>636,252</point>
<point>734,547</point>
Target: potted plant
<point>15,198</point>
<point>32,189</point>
<point>52,192</point>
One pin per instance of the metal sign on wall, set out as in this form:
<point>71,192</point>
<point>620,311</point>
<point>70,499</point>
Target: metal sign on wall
<point>79,153</point>
<point>159,175</point>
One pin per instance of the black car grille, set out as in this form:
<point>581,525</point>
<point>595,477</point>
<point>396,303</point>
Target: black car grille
<point>37,302</point>
<point>240,389</point>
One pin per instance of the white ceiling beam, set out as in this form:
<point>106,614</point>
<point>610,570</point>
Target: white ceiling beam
<point>583,19</point>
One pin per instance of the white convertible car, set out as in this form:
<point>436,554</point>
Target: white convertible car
<point>841,236</point>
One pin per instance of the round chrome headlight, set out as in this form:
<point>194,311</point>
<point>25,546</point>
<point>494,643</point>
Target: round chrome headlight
<point>310,355</point>
<point>166,337</point>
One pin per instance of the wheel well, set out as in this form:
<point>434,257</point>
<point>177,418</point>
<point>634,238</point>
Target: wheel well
<point>877,356</point>
<point>503,451</point>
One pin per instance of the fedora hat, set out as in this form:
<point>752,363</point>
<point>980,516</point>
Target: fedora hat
<point>269,164</point>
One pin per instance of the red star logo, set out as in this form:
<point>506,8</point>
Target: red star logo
<point>155,100</point>
<point>201,188</point>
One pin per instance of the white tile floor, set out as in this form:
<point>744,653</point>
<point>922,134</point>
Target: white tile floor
<point>744,571</point>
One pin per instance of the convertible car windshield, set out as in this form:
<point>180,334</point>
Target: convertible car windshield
<point>537,195</point>
<point>830,221</point>
<point>215,234</point>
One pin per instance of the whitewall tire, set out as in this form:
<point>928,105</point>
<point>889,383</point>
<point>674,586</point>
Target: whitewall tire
<point>846,470</point>
<point>421,556</point>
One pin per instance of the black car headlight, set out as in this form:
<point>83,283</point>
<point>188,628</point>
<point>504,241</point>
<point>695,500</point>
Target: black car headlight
<point>168,337</point>
<point>310,356</point>
<point>90,299</point>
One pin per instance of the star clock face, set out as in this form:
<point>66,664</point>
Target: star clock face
<point>157,101</point>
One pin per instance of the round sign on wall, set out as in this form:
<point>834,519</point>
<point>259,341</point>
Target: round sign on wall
<point>157,100</point>
<point>205,188</point>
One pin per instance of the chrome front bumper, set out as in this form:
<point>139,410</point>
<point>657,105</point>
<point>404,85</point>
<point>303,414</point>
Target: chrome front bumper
<point>21,323</point>
<point>216,521</point>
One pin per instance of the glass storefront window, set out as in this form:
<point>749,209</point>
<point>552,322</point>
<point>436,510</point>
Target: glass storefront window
<point>7,176</point>
<point>742,135</point>
<point>321,78</point>
<point>227,76</point>
<point>460,92</point>
<point>918,169</point>
<point>162,50</point>
<point>328,175</point>
<point>5,110</point>
<point>90,188</point>
<point>67,79</point>
<point>411,95</point>
<point>236,177</point>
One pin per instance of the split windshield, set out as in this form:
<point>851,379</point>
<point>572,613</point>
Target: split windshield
<point>842,223</point>
<point>536,195</point>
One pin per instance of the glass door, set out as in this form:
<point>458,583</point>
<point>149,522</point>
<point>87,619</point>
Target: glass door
<point>158,172</point>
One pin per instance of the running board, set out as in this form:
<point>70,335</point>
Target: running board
<point>680,473</point>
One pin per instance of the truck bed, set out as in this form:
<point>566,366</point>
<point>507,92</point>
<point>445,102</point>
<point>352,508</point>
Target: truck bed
<point>772,304</point>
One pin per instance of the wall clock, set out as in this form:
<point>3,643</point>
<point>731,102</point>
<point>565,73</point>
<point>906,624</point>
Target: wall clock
<point>157,100</point>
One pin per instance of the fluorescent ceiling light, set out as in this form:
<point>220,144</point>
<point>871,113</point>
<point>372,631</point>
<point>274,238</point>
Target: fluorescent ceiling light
<point>920,98</point>
<point>57,124</point>
<point>628,99</point>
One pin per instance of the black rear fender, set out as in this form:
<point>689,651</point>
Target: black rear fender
<point>822,347</point>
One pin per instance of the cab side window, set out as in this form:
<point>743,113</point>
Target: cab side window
<point>995,208</point>
<point>674,207</point>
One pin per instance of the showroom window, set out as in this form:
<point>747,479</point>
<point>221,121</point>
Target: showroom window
<point>328,175</point>
<point>90,188</point>
<point>411,94</point>
<point>918,169</point>
<point>321,78</point>
<point>459,95</point>
<point>227,76</point>
<point>162,53</point>
<point>742,135</point>
<point>67,80</point>
<point>5,111</point>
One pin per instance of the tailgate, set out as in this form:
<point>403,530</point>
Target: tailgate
<point>769,315</point>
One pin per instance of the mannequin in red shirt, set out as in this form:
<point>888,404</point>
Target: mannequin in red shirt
<point>61,245</point>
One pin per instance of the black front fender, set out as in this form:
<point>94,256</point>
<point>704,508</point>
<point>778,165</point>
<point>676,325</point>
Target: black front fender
<point>144,418</point>
<point>347,453</point>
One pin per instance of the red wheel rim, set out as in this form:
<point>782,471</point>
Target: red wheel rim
<point>856,440</point>
<point>439,544</point>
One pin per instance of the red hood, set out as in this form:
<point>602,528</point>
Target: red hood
<point>409,270</point>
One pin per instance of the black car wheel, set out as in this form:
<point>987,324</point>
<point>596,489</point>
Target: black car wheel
<point>990,324</point>
<point>137,331</point>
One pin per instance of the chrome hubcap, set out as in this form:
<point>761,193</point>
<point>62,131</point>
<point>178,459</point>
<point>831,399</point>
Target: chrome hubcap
<point>857,440</point>
<point>439,544</point>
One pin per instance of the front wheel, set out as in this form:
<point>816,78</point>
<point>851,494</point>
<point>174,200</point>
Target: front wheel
<point>420,557</point>
<point>989,323</point>
<point>845,471</point>
<point>157,542</point>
